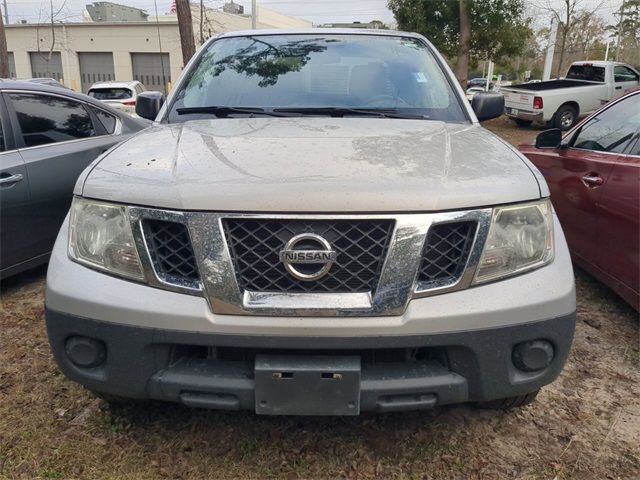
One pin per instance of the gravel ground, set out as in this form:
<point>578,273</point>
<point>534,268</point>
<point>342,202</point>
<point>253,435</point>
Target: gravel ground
<point>586,425</point>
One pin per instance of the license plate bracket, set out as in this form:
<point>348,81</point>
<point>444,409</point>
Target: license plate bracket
<point>307,385</point>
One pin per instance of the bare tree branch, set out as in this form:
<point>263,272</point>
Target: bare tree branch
<point>565,14</point>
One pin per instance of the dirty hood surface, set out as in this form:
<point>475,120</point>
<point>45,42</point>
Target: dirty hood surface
<point>313,164</point>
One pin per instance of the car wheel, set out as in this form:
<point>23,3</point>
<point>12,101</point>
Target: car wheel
<point>565,118</point>
<point>522,123</point>
<point>509,402</point>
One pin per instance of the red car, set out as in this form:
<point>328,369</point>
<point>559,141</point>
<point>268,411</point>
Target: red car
<point>593,173</point>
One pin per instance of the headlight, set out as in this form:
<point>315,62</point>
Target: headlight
<point>520,239</point>
<point>100,236</point>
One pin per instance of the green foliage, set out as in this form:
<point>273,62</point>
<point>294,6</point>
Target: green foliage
<point>629,28</point>
<point>630,25</point>
<point>259,58</point>
<point>379,25</point>
<point>499,28</point>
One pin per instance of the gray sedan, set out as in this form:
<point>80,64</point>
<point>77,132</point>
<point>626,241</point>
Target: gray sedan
<point>48,136</point>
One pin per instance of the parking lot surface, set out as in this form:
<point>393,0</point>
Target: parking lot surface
<point>586,425</point>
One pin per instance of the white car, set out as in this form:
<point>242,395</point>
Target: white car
<point>119,95</point>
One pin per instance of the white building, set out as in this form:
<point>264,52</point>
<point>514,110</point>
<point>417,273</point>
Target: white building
<point>79,54</point>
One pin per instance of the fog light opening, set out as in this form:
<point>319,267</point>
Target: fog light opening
<point>85,352</point>
<point>533,356</point>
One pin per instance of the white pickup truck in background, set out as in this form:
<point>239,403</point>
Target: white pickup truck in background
<point>587,86</point>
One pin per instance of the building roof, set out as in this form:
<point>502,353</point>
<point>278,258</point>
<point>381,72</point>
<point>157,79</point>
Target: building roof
<point>93,24</point>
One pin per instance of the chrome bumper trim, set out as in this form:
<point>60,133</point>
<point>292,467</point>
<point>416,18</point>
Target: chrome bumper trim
<point>526,115</point>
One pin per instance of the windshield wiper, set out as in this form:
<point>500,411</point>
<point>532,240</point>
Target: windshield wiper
<point>221,111</point>
<point>343,111</point>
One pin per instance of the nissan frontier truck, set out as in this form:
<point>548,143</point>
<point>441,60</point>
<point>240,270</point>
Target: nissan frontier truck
<point>316,224</point>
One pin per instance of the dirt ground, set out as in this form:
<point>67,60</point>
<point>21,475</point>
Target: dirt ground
<point>586,425</point>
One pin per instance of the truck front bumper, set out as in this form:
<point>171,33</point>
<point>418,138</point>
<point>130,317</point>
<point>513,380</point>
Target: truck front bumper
<point>128,339</point>
<point>218,371</point>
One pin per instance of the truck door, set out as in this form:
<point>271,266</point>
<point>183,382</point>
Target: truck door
<point>624,80</point>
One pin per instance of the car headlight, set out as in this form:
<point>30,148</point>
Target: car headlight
<point>520,239</point>
<point>100,236</point>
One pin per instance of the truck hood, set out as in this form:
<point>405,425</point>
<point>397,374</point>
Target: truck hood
<point>311,164</point>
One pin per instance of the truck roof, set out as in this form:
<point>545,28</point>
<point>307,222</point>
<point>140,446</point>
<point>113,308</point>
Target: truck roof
<point>597,63</point>
<point>320,31</point>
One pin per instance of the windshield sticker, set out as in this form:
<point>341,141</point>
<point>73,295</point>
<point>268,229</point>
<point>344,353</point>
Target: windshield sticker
<point>410,44</point>
<point>419,76</point>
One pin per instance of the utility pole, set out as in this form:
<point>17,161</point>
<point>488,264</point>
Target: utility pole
<point>551,46</point>
<point>6,13</point>
<point>201,21</point>
<point>254,15</point>
<point>185,25</point>
<point>489,75</point>
<point>4,55</point>
<point>620,24</point>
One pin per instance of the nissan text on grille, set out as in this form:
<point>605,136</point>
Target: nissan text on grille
<point>315,224</point>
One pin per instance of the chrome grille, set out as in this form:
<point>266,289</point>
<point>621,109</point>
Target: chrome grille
<point>220,280</point>
<point>445,253</point>
<point>361,247</point>
<point>171,252</point>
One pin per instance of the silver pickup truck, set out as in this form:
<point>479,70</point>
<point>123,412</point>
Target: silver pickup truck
<point>560,103</point>
<point>315,225</point>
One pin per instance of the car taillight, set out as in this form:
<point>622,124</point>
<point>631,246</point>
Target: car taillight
<point>131,103</point>
<point>537,102</point>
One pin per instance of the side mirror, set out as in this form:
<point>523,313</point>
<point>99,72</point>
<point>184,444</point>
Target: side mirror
<point>148,104</point>
<point>551,138</point>
<point>487,105</point>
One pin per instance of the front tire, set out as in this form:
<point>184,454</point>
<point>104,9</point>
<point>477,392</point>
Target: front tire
<point>509,402</point>
<point>565,118</point>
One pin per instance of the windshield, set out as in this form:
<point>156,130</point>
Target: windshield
<point>586,72</point>
<point>305,72</point>
<point>110,93</point>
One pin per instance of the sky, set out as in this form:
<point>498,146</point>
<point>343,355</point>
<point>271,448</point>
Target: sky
<point>318,11</point>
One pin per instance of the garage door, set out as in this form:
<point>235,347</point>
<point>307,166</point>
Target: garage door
<point>152,69</point>
<point>44,67</point>
<point>95,67</point>
<point>12,66</point>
